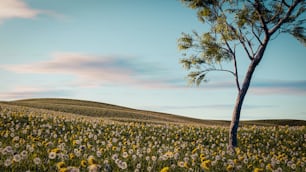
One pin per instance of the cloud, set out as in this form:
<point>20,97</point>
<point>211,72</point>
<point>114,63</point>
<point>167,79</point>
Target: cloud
<point>19,9</point>
<point>31,92</point>
<point>297,87</point>
<point>216,106</point>
<point>96,69</point>
<point>264,87</point>
<point>16,9</point>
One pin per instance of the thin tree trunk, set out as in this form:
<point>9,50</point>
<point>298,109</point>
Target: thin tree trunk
<point>237,109</point>
<point>241,95</point>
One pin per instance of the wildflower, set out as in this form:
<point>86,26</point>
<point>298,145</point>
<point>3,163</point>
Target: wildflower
<point>93,168</point>
<point>60,165</point>
<point>180,164</point>
<point>71,156</point>
<point>73,169</point>
<point>138,166</point>
<point>258,170</point>
<point>83,163</point>
<point>165,169</point>
<point>206,164</point>
<point>56,150</point>
<point>186,164</point>
<point>52,155</point>
<point>229,168</point>
<point>125,154</point>
<point>8,162</point>
<point>91,160</point>
<point>37,161</point>
<point>269,167</point>
<point>64,169</point>
<point>99,153</point>
<point>17,158</point>
<point>123,165</point>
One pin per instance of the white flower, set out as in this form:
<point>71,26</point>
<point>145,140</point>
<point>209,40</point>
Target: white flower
<point>37,161</point>
<point>24,154</point>
<point>125,154</point>
<point>17,158</point>
<point>7,162</point>
<point>52,155</point>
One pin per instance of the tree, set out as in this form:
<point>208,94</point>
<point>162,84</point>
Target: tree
<point>237,24</point>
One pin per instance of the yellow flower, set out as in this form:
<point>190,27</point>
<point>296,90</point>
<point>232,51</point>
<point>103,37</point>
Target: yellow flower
<point>60,165</point>
<point>269,167</point>
<point>258,170</point>
<point>63,170</point>
<point>56,150</point>
<point>83,163</point>
<point>91,160</point>
<point>71,155</point>
<point>237,150</point>
<point>206,164</point>
<point>165,169</point>
<point>229,168</point>
<point>186,165</point>
<point>194,150</point>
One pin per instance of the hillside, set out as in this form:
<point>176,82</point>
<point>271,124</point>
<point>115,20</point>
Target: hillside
<point>104,110</point>
<point>125,114</point>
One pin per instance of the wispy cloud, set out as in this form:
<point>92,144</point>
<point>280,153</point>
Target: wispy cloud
<point>31,92</point>
<point>16,9</point>
<point>19,9</point>
<point>279,87</point>
<point>264,87</point>
<point>216,106</point>
<point>95,69</point>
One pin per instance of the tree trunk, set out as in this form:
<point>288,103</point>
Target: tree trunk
<point>237,109</point>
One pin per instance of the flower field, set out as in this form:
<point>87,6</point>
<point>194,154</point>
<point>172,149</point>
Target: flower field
<point>44,141</point>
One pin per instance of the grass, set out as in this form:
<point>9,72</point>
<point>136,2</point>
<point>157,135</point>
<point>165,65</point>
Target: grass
<point>36,139</point>
<point>125,114</point>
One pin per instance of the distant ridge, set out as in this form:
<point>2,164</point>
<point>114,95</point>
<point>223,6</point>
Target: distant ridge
<point>121,113</point>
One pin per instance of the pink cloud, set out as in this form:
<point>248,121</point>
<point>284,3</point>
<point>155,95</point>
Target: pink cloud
<point>16,9</point>
<point>277,91</point>
<point>31,92</point>
<point>93,70</point>
<point>19,9</point>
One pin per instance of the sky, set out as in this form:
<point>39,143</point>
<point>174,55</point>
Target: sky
<point>125,53</point>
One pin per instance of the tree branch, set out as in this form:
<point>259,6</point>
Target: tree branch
<point>263,23</point>
<point>236,74</point>
<point>256,36</point>
<point>283,20</point>
<point>242,41</point>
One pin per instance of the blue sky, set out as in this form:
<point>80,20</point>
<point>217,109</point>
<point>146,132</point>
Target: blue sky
<point>125,53</point>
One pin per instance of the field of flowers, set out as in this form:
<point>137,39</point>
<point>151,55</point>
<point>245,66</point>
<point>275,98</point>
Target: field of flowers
<point>44,141</point>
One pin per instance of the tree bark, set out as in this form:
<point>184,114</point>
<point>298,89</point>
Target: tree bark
<point>237,109</point>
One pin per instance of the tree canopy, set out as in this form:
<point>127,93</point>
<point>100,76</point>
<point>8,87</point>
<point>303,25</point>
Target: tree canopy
<point>237,24</point>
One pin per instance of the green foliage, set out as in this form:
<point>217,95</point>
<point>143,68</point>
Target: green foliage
<point>237,24</point>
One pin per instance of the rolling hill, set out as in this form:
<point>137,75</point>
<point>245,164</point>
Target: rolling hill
<point>125,114</point>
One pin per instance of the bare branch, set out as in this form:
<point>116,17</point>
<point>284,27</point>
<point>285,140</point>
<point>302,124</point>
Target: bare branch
<point>285,3</point>
<point>283,20</point>
<point>242,41</point>
<point>257,6</point>
<point>256,36</point>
